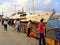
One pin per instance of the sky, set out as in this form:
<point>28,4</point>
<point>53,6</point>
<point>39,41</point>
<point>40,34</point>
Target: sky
<point>8,6</point>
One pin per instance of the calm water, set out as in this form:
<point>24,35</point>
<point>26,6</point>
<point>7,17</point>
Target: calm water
<point>53,23</point>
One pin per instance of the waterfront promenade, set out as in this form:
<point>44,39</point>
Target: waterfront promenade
<point>11,37</point>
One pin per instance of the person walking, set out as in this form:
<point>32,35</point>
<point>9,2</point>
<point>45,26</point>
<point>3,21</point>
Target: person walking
<point>18,25</point>
<point>2,22</point>
<point>29,26</point>
<point>5,24</point>
<point>41,26</point>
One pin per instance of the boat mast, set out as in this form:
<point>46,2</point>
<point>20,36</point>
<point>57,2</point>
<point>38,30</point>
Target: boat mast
<point>15,10</point>
<point>33,6</point>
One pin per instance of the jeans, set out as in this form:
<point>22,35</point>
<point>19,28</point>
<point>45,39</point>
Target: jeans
<point>5,27</point>
<point>28,31</point>
<point>18,29</point>
<point>41,38</point>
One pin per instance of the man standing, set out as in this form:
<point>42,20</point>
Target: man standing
<point>5,24</point>
<point>29,26</point>
<point>18,25</point>
<point>41,32</point>
<point>2,21</point>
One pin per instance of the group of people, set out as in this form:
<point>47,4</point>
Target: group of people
<point>17,23</point>
<point>41,28</point>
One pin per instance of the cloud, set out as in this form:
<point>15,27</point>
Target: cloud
<point>22,2</point>
<point>47,1</point>
<point>40,5</point>
<point>56,6</point>
<point>7,8</point>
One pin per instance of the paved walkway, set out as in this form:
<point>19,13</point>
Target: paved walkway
<point>13,38</point>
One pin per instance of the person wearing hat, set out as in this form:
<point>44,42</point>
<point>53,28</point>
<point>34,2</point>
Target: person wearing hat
<point>41,26</point>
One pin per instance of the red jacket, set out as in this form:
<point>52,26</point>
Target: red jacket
<point>40,27</point>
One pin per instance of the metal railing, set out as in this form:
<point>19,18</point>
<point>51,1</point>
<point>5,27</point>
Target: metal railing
<point>54,33</point>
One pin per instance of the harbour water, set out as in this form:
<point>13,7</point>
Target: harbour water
<point>53,23</point>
